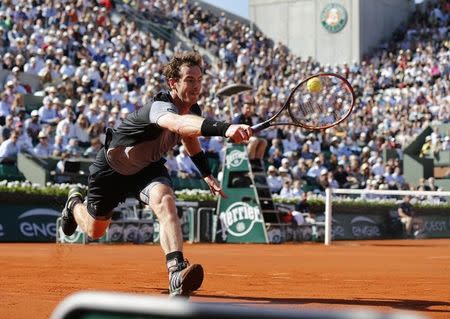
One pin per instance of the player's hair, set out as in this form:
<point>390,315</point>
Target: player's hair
<point>191,58</point>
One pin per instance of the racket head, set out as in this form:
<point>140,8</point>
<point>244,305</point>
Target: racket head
<point>321,101</point>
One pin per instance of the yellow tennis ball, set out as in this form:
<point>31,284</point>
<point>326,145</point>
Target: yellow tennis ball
<point>314,85</point>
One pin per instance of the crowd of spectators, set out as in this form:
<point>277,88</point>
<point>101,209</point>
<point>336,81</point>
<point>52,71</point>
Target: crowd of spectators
<point>93,71</point>
<point>97,67</point>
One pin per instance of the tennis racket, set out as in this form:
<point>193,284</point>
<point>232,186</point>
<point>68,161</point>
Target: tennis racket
<point>318,102</point>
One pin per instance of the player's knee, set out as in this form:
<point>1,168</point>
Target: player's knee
<point>167,207</point>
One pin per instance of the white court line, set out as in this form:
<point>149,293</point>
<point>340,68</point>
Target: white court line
<point>439,257</point>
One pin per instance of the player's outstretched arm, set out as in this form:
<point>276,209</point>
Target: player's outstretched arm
<point>192,126</point>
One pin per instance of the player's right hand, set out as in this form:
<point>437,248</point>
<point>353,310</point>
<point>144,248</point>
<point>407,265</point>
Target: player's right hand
<point>239,133</point>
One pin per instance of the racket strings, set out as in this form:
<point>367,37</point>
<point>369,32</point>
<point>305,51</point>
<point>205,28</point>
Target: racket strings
<point>327,104</point>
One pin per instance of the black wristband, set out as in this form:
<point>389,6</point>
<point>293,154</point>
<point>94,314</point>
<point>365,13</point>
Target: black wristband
<point>201,162</point>
<point>214,128</point>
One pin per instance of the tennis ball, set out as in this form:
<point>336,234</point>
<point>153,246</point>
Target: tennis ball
<point>314,85</point>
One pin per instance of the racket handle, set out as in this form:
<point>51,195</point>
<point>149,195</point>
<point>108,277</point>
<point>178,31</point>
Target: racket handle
<point>260,126</point>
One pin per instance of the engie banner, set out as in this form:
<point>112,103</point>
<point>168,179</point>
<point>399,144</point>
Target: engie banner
<point>28,223</point>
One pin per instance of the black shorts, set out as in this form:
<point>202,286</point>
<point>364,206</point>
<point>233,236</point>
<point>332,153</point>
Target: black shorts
<point>107,188</point>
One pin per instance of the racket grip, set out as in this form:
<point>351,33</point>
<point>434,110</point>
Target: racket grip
<point>260,126</point>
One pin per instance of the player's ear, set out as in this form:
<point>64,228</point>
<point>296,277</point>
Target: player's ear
<point>172,83</point>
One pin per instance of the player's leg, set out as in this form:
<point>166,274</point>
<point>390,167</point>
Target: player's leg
<point>162,202</point>
<point>94,228</point>
<point>183,278</point>
<point>94,215</point>
<point>76,214</point>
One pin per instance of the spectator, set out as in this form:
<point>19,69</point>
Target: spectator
<point>286,191</point>
<point>171,164</point>
<point>24,140</point>
<point>9,149</point>
<point>274,181</point>
<point>32,126</point>
<point>426,149</point>
<point>92,150</point>
<point>73,148</point>
<point>47,112</point>
<point>257,146</point>
<point>186,168</point>
<point>60,144</point>
<point>43,149</point>
<point>5,107</point>
<point>302,211</point>
<point>284,174</point>
<point>7,128</point>
<point>413,225</point>
<point>81,130</point>
<point>300,170</point>
<point>60,165</point>
<point>316,169</point>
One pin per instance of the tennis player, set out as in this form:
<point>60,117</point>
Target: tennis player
<point>132,163</point>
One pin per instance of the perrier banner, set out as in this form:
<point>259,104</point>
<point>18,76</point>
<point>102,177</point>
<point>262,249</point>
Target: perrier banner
<point>240,217</point>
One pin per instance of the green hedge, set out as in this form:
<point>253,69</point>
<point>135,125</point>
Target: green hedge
<point>56,193</point>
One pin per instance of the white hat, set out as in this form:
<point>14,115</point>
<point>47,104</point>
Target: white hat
<point>284,160</point>
<point>283,170</point>
<point>34,113</point>
<point>271,168</point>
<point>323,171</point>
<point>42,134</point>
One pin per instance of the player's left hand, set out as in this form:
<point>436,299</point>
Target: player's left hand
<point>214,186</point>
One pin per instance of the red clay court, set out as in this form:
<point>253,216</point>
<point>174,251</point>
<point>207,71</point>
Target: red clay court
<point>376,275</point>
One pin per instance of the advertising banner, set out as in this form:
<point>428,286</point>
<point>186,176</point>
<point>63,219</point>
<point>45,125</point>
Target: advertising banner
<point>240,216</point>
<point>28,223</point>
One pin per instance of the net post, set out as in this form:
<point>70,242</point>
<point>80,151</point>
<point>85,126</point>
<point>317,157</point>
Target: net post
<point>328,217</point>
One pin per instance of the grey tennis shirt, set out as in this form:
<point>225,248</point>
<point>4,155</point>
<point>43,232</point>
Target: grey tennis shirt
<point>128,160</point>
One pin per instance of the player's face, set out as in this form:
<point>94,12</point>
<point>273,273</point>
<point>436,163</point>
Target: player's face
<point>189,85</point>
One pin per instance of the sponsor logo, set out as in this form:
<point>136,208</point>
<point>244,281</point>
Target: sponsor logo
<point>146,232</point>
<point>365,227</point>
<point>235,158</point>
<point>2,233</point>
<point>435,226</point>
<point>39,222</point>
<point>337,230</point>
<point>239,219</point>
<point>333,17</point>
<point>275,236</point>
<point>130,232</point>
<point>115,232</point>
